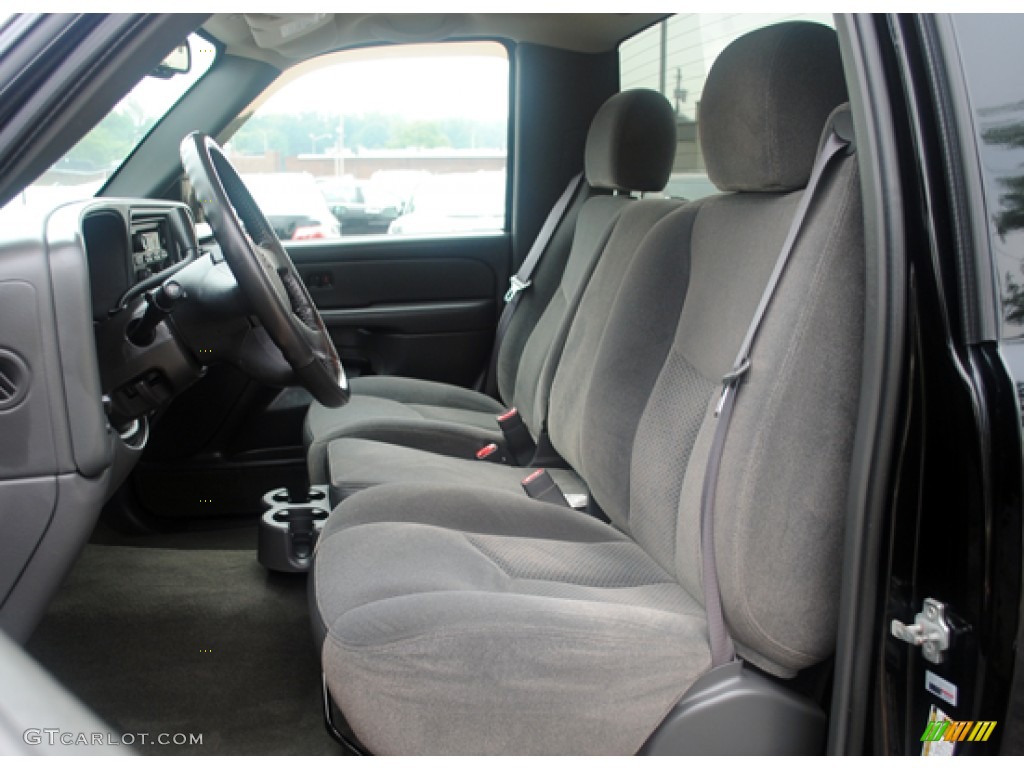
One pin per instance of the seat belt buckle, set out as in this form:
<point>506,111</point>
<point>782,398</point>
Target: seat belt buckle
<point>491,452</point>
<point>516,286</point>
<point>517,437</point>
<point>541,486</point>
<point>509,418</point>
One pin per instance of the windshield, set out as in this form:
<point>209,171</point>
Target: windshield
<point>96,157</point>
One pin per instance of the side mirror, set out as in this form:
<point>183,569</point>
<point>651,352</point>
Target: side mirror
<point>177,62</point>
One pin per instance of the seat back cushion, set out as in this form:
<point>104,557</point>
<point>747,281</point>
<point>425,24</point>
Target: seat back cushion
<point>538,357</point>
<point>633,398</point>
<point>630,148</point>
<point>573,408</point>
<point>783,479</point>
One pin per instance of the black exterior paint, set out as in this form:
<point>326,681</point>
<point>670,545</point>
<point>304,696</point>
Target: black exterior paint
<point>955,530</point>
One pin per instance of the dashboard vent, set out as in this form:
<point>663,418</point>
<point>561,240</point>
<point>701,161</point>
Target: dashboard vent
<point>14,380</point>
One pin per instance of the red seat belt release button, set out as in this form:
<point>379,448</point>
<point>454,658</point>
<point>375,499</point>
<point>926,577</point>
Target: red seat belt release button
<point>511,413</point>
<point>488,453</point>
<point>540,486</point>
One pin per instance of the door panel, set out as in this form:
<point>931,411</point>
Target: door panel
<point>410,307</point>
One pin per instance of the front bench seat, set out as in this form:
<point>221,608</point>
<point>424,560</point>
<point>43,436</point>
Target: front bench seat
<point>356,463</point>
<point>629,148</point>
<point>463,620</point>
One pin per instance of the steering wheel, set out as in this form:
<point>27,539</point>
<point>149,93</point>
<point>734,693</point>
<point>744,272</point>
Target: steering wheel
<point>264,271</point>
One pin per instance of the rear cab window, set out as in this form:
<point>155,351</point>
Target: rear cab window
<point>395,141</point>
<point>673,57</point>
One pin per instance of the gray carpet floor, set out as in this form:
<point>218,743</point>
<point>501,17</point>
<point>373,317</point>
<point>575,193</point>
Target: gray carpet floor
<point>244,536</point>
<point>189,640</point>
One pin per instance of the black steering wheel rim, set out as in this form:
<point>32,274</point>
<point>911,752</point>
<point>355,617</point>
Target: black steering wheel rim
<point>264,271</point>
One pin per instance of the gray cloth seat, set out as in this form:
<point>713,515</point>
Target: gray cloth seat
<point>356,463</point>
<point>629,148</point>
<point>379,463</point>
<point>438,417</point>
<point>469,620</point>
<point>588,610</point>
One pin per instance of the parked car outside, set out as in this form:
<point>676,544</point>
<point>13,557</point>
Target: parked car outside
<point>357,209</point>
<point>294,205</point>
<point>455,202</point>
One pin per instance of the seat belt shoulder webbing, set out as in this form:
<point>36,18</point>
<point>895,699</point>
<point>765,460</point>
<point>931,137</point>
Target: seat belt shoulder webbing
<point>722,650</point>
<point>523,278</point>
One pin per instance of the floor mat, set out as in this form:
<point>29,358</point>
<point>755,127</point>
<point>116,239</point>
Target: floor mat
<point>162,641</point>
<point>245,536</point>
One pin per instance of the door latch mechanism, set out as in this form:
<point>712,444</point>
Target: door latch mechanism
<point>929,630</point>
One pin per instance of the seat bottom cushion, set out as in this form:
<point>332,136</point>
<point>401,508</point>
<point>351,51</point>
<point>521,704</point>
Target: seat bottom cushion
<point>466,621</point>
<point>421,414</point>
<point>356,464</point>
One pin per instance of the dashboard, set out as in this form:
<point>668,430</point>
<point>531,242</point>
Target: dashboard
<point>108,310</point>
<point>71,281</point>
<point>127,243</point>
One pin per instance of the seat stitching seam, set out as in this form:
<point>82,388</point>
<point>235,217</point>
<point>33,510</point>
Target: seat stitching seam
<point>542,630</point>
<point>452,528</point>
<point>501,567</point>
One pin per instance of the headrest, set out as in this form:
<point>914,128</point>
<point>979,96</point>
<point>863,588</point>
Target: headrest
<point>632,142</point>
<point>765,104</point>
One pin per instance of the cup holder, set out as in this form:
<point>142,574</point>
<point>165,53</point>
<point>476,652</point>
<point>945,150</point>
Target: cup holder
<point>293,513</point>
<point>281,496</point>
<point>289,530</point>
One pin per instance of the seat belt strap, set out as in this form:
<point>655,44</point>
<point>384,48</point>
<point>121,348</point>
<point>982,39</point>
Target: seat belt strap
<point>523,279</point>
<point>722,649</point>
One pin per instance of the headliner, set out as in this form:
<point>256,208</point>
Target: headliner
<point>288,38</point>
